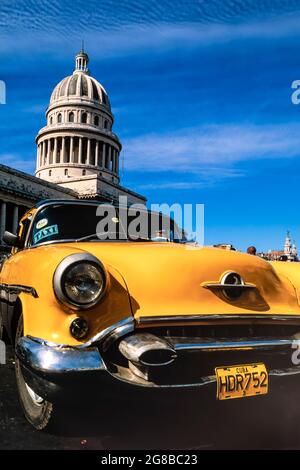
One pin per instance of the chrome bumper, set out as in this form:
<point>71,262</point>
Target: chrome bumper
<point>47,365</point>
<point>39,356</point>
<point>44,357</point>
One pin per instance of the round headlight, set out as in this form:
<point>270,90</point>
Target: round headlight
<point>83,283</point>
<point>79,281</point>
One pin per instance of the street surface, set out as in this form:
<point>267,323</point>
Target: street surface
<point>128,424</point>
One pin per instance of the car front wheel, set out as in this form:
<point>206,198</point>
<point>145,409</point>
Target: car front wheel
<point>37,410</point>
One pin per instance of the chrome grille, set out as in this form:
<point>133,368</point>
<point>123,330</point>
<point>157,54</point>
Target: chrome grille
<point>230,331</point>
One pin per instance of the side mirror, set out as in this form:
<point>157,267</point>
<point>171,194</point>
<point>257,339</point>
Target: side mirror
<point>10,239</point>
<point>3,258</point>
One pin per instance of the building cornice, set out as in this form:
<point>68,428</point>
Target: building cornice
<point>34,179</point>
<point>110,183</point>
<point>29,187</point>
<point>84,166</point>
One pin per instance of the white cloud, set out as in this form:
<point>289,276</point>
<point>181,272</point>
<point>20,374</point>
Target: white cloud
<point>204,147</point>
<point>173,185</point>
<point>206,177</point>
<point>209,153</point>
<point>156,36</point>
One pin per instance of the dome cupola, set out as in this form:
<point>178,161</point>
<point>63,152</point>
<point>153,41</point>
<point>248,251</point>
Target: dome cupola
<point>82,60</point>
<point>80,86</point>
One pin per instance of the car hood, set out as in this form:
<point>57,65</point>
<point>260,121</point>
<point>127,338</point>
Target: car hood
<point>166,279</point>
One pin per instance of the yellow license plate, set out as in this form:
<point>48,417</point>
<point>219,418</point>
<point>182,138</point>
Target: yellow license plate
<point>241,381</point>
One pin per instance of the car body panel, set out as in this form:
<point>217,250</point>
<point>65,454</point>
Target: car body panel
<point>146,280</point>
<point>44,316</point>
<point>169,279</point>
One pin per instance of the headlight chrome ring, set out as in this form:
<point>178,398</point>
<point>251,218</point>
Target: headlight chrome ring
<point>80,281</point>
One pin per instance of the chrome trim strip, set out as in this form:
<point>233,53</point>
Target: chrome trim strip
<point>235,344</point>
<point>111,333</point>
<point>214,317</point>
<point>104,337</point>
<point>285,372</point>
<point>135,347</point>
<point>203,380</point>
<point>143,383</point>
<point>41,357</point>
<point>217,285</point>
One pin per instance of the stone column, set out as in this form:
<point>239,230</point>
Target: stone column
<point>38,154</point>
<point>80,150</point>
<point>117,162</point>
<point>47,152</point>
<point>44,152</point>
<point>62,156</point>
<point>97,153</point>
<point>109,158</point>
<point>103,155</point>
<point>55,151</point>
<point>41,155</point>
<point>15,218</point>
<point>114,160</point>
<point>2,220</point>
<point>71,160</point>
<point>88,151</point>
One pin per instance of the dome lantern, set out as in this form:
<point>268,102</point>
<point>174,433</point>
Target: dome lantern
<point>81,62</point>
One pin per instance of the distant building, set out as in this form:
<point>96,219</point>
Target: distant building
<point>289,252</point>
<point>287,245</point>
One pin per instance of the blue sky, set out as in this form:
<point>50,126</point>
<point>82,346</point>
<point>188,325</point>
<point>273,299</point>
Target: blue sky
<point>200,90</point>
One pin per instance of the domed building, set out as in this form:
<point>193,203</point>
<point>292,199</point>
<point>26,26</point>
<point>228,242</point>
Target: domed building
<point>77,152</point>
<point>289,252</point>
<point>77,149</point>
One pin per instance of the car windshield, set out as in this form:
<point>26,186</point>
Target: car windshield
<point>83,222</point>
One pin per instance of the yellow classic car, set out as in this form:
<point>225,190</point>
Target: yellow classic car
<point>89,314</point>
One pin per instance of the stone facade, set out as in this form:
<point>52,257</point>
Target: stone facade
<point>20,191</point>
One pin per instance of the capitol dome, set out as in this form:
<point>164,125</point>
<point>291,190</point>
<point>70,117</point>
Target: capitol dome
<point>80,86</point>
<point>78,140</point>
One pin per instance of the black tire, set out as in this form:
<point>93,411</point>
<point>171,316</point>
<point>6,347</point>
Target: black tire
<point>37,411</point>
